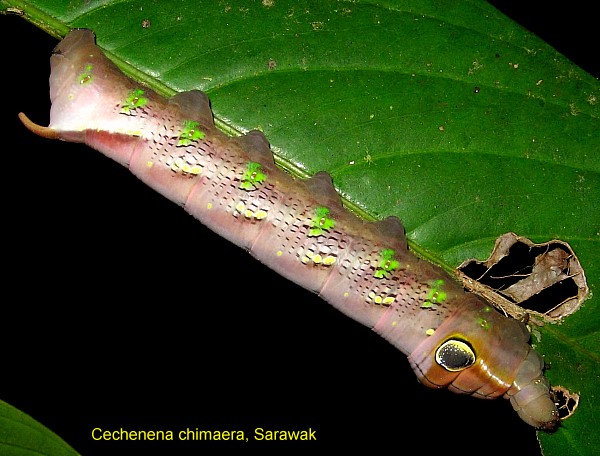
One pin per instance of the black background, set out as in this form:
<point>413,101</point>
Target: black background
<point>120,310</point>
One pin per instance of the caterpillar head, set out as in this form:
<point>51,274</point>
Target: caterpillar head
<point>479,352</point>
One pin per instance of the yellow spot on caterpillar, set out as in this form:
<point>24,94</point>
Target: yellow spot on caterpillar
<point>279,253</point>
<point>394,323</point>
<point>248,213</point>
<point>375,298</point>
<point>329,260</point>
<point>209,206</point>
<point>430,332</point>
<point>378,299</point>
<point>346,294</point>
<point>149,164</point>
<point>180,165</point>
<point>315,258</point>
<point>305,258</point>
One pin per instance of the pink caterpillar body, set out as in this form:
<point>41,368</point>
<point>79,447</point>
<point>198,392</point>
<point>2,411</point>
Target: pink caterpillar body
<point>297,227</point>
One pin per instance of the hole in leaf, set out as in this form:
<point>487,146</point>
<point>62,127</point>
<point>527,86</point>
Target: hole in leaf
<point>542,282</point>
<point>566,402</point>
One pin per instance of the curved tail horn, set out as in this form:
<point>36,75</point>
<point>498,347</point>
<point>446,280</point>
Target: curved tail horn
<point>44,132</point>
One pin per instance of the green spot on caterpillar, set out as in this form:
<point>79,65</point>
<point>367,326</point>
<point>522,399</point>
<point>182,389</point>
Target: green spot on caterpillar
<point>133,101</point>
<point>252,177</point>
<point>435,296</point>
<point>86,76</point>
<point>320,223</point>
<point>483,323</point>
<point>387,264</point>
<point>189,133</point>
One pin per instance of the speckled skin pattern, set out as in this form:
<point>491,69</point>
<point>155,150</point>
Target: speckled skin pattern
<point>297,227</point>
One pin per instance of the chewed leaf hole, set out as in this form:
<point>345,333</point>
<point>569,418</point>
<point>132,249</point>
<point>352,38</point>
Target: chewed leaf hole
<point>540,282</point>
<point>566,402</point>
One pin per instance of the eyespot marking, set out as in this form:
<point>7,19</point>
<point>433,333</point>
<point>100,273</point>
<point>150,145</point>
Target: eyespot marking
<point>455,355</point>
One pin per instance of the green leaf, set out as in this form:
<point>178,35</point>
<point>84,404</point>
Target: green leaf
<point>21,435</point>
<point>454,118</point>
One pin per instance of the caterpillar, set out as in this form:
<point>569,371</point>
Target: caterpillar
<point>300,228</point>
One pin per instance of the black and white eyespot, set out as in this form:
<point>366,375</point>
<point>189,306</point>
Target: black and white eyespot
<point>455,355</point>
